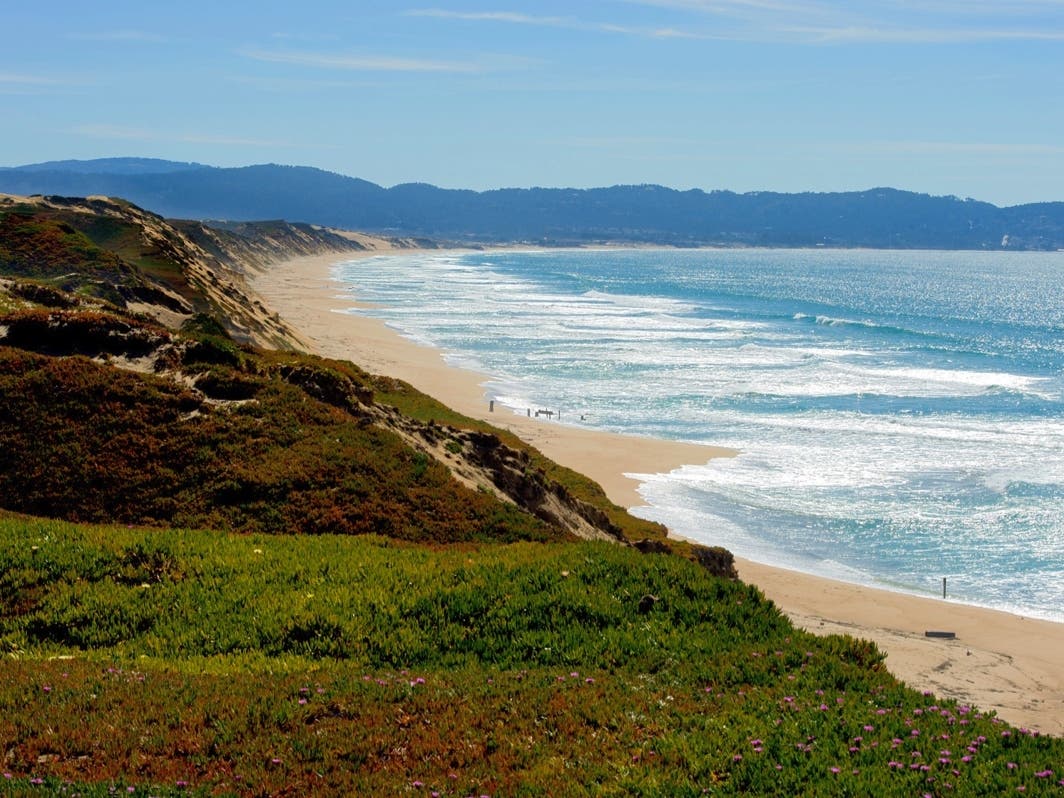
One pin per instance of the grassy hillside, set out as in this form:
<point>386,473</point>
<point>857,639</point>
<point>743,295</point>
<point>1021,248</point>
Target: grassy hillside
<point>110,416</point>
<point>178,662</point>
<point>109,250</point>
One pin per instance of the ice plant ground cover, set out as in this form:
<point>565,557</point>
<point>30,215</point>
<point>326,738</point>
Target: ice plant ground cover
<point>149,662</point>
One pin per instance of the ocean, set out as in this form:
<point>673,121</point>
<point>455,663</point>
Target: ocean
<point>899,414</point>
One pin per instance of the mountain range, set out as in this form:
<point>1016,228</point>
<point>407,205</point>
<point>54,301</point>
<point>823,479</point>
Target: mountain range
<point>636,214</point>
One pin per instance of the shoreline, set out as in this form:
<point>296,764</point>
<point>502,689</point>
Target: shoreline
<point>998,661</point>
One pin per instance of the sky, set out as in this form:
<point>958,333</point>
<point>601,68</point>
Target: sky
<point>946,97</point>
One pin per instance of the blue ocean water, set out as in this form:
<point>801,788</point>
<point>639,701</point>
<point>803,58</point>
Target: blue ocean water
<point>899,415</point>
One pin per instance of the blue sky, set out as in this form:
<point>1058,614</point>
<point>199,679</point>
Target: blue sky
<point>941,96</point>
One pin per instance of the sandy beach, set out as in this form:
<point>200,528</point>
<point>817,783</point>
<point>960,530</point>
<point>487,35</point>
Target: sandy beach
<point>997,661</point>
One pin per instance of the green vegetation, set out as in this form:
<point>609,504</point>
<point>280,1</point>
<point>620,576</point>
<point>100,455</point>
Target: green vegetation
<point>84,441</point>
<point>176,662</point>
<point>49,246</point>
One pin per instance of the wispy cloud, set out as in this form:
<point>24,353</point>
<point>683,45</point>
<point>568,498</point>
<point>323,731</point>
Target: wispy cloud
<point>289,84</point>
<point>18,83</point>
<point>13,78</point>
<point>871,22</point>
<point>362,63</point>
<point>735,6</point>
<point>570,23</point>
<point>889,35</point>
<point>491,16</point>
<point>117,36</point>
<point>121,133</point>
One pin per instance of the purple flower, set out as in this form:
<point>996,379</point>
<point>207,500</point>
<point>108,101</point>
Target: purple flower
<point>835,770</point>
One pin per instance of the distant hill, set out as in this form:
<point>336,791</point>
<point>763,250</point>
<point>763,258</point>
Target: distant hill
<point>111,166</point>
<point>878,217</point>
